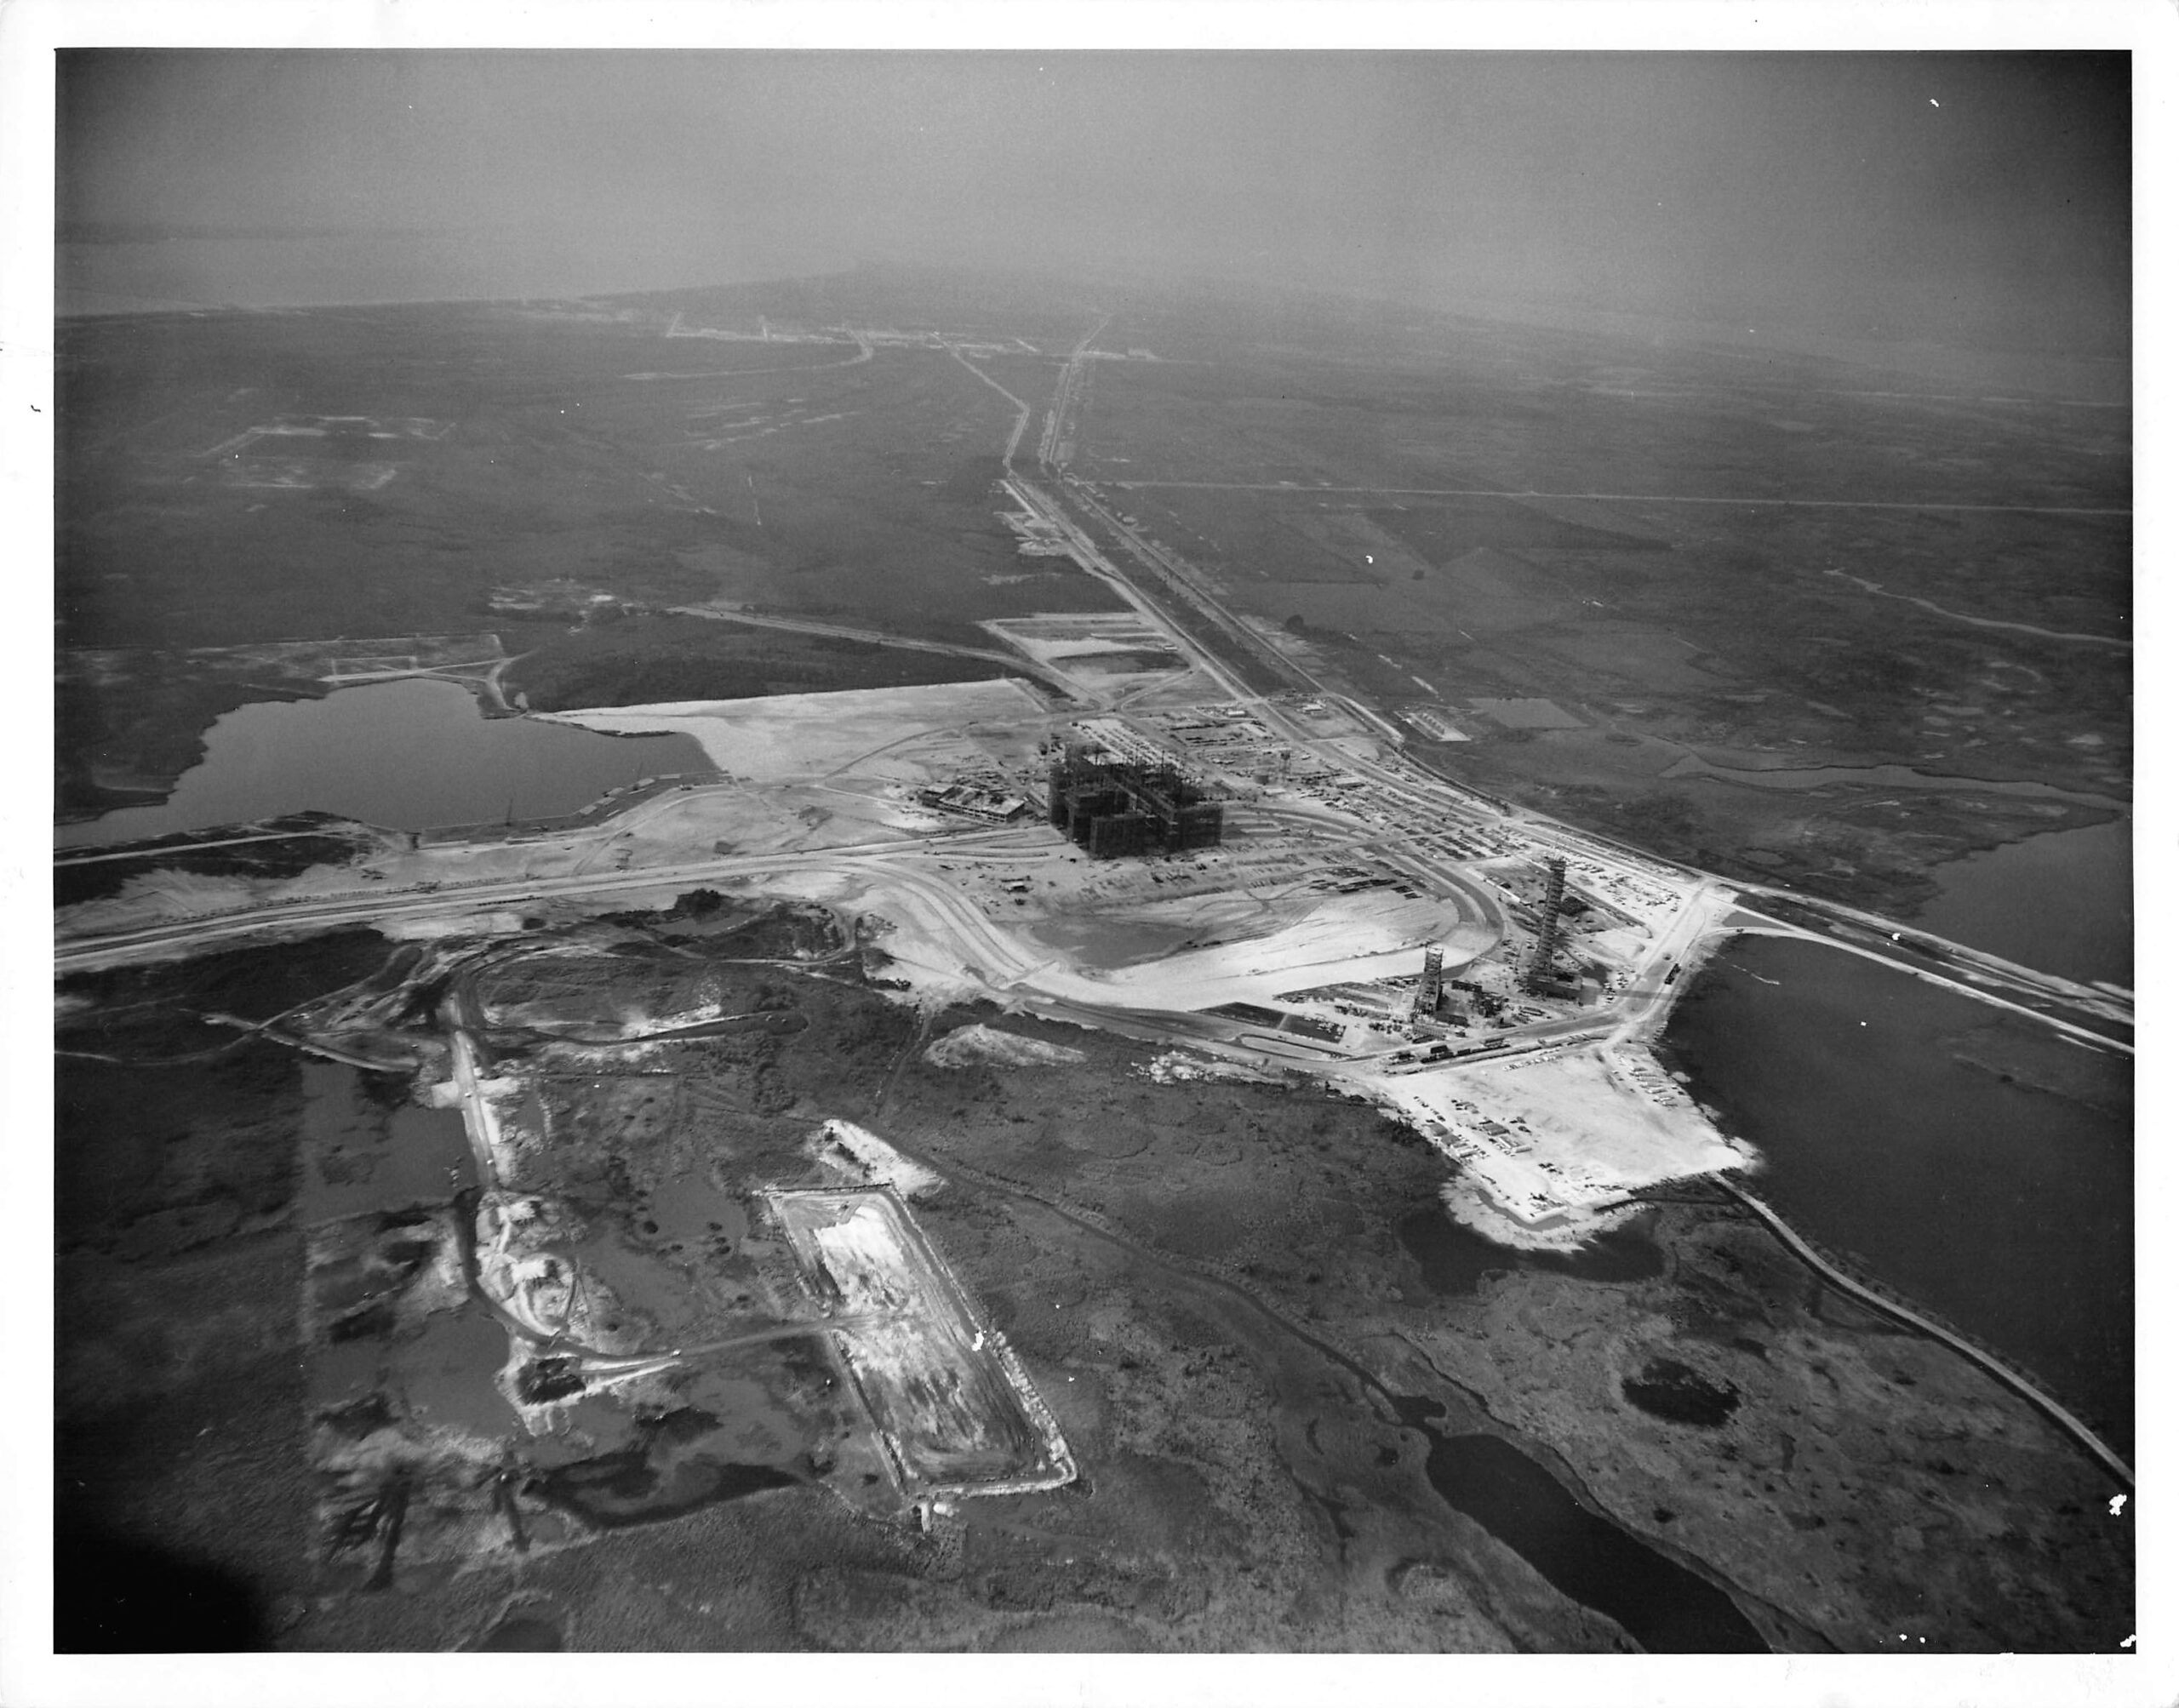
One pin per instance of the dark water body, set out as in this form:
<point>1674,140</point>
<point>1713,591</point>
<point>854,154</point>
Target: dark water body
<point>1455,1259</point>
<point>522,1633</point>
<point>1664,1606</point>
<point>447,1372</point>
<point>409,755</point>
<point>360,1155</point>
<point>115,1594</point>
<point>1670,1390</point>
<point>675,1465</point>
<point>1978,1163</point>
<point>2060,903</point>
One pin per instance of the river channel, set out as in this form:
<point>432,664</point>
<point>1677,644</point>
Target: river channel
<point>1978,1163</point>
<point>408,755</point>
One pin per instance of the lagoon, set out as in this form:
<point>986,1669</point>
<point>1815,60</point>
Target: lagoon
<point>409,755</point>
<point>1977,1163</point>
<point>2060,903</point>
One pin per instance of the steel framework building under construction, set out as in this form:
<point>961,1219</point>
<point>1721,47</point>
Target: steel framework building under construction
<point>1429,991</point>
<point>1110,807</point>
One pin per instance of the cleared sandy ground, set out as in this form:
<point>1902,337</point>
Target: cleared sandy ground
<point>956,1413</point>
<point>1271,947</point>
<point>1082,647</point>
<point>778,819</point>
<point>947,949</point>
<point>799,735</point>
<point>1055,635</point>
<point>858,1156</point>
<point>976,1046</point>
<point>1546,1143</point>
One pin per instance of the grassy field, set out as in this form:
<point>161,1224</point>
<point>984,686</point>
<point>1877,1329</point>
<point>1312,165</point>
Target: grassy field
<point>1382,487</point>
<point>246,477</point>
<point>649,660</point>
<point>793,475</point>
<point>815,448</point>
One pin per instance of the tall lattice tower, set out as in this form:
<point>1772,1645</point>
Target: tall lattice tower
<point>1433,982</point>
<point>1546,930</point>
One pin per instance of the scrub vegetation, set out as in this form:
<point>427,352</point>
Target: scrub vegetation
<point>1211,1283</point>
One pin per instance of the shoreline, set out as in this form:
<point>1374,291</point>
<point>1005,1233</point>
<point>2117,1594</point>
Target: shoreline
<point>2027,1386</point>
<point>1870,1229</point>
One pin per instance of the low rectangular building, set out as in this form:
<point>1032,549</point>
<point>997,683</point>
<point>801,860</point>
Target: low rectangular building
<point>986,805</point>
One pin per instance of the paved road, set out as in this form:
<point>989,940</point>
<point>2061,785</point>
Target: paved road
<point>1024,410</point>
<point>70,856</point>
<point>1015,664</point>
<point>1058,429</point>
<point>1049,511</point>
<point>1188,584</point>
<point>362,907</point>
<point>1971,972</point>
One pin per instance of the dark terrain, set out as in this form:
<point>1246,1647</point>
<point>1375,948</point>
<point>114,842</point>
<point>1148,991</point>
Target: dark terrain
<point>1314,466</point>
<point>1291,1432</point>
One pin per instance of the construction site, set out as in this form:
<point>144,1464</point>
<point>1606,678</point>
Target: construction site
<point>1235,868</point>
<point>592,1272</point>
<point>1111,807</point>
<point>951,1407</point>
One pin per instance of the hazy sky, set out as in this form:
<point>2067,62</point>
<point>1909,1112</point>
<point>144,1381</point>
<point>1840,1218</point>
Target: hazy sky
<point>1978,198</point>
